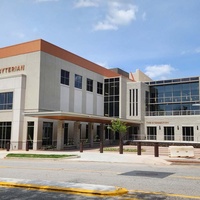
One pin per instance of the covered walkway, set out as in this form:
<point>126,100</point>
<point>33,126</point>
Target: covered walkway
<point>77,119</point>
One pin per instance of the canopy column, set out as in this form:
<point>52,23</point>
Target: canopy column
<point>76,136</point>
<point>60,135</point>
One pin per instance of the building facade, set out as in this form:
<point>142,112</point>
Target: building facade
<point>50,97</point>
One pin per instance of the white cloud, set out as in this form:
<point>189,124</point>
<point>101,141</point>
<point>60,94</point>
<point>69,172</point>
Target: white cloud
<point>159,71</point>
<point>118,15</point>
<point>103,64</point>
<point>86,3</point>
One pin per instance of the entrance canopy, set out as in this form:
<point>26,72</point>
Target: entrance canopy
<point>71,116</point>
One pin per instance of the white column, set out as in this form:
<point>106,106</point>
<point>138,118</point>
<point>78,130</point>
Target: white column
<point>60,135</point>
<point>76,135</point>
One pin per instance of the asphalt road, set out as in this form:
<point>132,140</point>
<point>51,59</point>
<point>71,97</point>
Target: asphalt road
<point>142,181</point>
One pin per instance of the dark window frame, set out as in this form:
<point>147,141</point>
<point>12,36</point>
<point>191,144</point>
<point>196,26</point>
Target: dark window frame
<point>6,101</point>
<point>64,77</point>
<point>89,85</point>
<point>99,88</point>
<point>78,81</point>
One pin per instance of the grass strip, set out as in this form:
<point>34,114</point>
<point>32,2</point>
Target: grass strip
<point>117,149</point>
<point>22,155</point>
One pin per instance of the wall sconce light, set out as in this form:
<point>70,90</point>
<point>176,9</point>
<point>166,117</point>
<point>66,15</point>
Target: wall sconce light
<point>197,128</point>
<point>177,127</point>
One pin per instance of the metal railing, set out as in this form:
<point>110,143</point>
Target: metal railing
<point>173,113</point>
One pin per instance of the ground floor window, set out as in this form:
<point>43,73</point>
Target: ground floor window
<point>66,133</point>
<point>169,133</point>
<point>97,136</point>
<point>188,133</point>
<point>5,133</point>
<point>108,133</point>
<point>86,132</point>
<point>47,133</point>
<point>30,134</point>
<point>133,133</point>
<point>151,133</point>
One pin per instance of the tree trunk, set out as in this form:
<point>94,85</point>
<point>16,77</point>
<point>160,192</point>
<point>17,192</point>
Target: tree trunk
<point>121,145</point>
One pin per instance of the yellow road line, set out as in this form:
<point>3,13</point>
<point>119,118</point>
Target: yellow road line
<point>187,177</point>
<point>166,194</point>
<point>117,191</point>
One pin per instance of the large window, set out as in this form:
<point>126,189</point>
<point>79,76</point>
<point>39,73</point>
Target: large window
<point>64,77</point>
<point>89,85</point>
<point>99,88</point>
<point>168,133</point>
<point>47,133</point>
<point>6,101</point>
<point>151,133</point>
<point>188,133</point>
<point>111,97</point>
<point>30,134</point>
<point>5,133</point>
<point>174,99</point>
<point>78,81</point>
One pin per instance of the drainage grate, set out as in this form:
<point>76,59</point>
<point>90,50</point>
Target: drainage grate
<point>150,174</point>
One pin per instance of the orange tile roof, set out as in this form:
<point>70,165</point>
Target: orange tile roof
<point>41,45</point>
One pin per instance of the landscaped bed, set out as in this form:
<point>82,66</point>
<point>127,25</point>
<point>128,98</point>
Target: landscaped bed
<point>23,155</point>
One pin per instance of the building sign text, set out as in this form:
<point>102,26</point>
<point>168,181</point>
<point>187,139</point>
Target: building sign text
<point>12,69</point>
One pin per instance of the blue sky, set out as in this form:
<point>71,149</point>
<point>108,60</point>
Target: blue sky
<point>159,37</point>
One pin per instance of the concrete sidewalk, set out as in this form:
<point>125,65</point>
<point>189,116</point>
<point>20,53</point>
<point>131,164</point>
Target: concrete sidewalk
<point>96,156</point>
<point>113,157</point>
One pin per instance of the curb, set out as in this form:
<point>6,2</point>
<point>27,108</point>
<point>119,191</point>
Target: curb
<point>117,191</point>
<point>183,162</point>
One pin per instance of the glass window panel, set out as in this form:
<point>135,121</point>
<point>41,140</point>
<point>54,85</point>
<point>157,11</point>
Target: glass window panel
<point>78,81</point>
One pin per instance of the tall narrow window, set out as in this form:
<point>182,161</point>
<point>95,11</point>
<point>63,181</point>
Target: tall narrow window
<point>47,133</point>
<point>89,85</point>
<point>30,134</point>
<point>66,133</point>
<point>133,102</point>
<point>136,102</point>
<point>5,133</point>
<point>78,81</point>
<point>86,131</point>
<point>130,102</point>
<point>64,79</point>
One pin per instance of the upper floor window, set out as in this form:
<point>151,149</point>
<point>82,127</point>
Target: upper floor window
<point>99,88</point>
<point>89,85</point>
<point>64,77</point>
<point>6,101</point>
<point>78,81</point>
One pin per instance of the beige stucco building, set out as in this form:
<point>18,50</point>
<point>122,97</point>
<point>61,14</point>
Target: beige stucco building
<point>53,98</point>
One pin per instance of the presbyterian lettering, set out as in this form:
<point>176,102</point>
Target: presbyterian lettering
<point>12,69</point>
